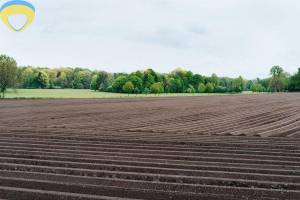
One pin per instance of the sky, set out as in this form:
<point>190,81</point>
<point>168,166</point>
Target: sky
<point>226,37</point>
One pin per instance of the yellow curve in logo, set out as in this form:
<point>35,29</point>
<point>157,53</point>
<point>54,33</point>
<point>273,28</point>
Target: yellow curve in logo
<point>17,7</point>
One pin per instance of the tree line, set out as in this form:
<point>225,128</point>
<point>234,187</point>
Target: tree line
<point>139,82</point>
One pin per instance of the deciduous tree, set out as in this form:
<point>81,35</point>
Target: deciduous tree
<point>209,88</point>
<point>42,80</point>
<point>8,73</point>
<point>257,87</point>
<point>128,87</point>
<point>202,88</point>
<point>117,85</point>
<point>279,80</point>
<point>294,84</point>
<point>157,88</point>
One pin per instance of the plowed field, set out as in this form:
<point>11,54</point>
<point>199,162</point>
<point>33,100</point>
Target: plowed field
<point>215,148</point>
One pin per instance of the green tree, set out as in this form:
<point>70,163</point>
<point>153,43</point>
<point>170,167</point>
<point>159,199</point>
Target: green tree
<point>104,80</point>
<point>8,73</point>
<point>225,82</point>
<point>128,87</point>
<point>94,83</point>
<point>238,84</point>
<point>69,82</point>
<point>137,90</point>
<point>191,89</point>
<point>42,80</point>
<point>157,88</point>
<point>209,88</point>
<point>61,80</point>
<point>196,80</point>
<point>214,80</point>
<point>220,89</point>
<point>201,88</point>
<point>249,85</point>
<point>137,82</point>
<point>52,75</point>
<point>150,77</point>
<point>118,83</point>
<point>187,80</point>
<point>172,84</point>
<point>257,87</point>
<point>279,80</point>
<point>146,91</point>
<point>139,74</point>
<point>27,77</point>
<point>265,83</point>
<point>81,78</point>
<point>182,79</point>
<point>294,84</point>
<point>177,85</point>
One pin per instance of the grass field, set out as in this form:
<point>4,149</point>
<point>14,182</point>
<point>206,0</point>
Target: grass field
<point>76,93</point>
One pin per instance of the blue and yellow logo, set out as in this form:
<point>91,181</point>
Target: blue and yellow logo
<point>17,7</point>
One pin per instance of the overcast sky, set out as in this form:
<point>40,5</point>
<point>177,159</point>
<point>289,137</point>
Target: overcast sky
<point>227,37</point>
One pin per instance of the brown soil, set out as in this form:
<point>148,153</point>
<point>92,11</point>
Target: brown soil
<point>218,147</point>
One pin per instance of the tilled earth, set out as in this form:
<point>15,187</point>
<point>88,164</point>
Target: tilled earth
<point>215,148</point>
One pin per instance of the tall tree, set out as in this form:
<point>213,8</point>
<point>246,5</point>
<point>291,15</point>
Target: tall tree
<point>238,84</point>
<point>42,80</point>
<point>61,80</point>
<point>201,88</point>
<point>196,80</point>
<point>27,77</point>
<point>128,87</point>
<point>215,80</point>
<point>94,83</point>
<point>279,79</point>
<point>137,82</point>
<point>150,77</point>
<point>82,79</point>
<point>8,73</point>
<point>117,85</point>
<point>256,87</point>
<point>104,79</point>
<point>294,84</point>
<point>209,88</point>
<point>157,88</point>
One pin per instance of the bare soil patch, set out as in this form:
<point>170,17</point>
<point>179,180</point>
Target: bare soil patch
<point>218,147</point>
